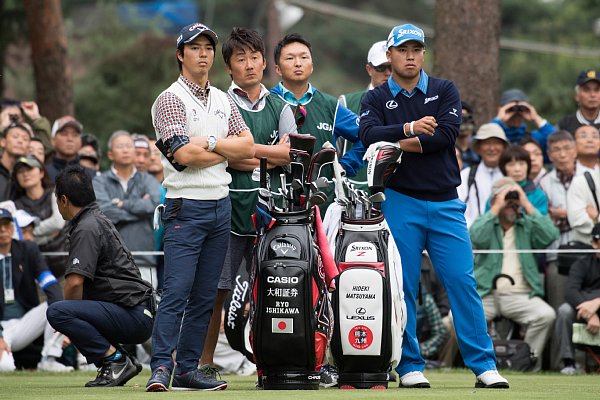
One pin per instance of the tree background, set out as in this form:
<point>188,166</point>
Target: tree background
<point>119,65</point>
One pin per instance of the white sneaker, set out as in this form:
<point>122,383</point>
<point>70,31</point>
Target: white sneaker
<point>491,380</point>
<point>568,370</point>
<point>51,365</point>
<point>414,379</point>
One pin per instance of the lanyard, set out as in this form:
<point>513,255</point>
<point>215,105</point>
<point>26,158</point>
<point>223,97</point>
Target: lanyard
<point>9,293</point>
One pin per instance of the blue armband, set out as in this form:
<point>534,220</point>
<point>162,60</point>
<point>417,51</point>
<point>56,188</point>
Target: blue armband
<point>45,279</point>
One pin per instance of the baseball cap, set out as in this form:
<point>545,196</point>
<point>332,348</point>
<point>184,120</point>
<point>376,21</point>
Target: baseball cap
<point>376,54</point>
<point>5,214</point>
<point>502,184</point>
<point>511,95</point>
<point>65,121</point>
<point>405,33</point>
<point>25,219</point>
<point>140,141</point>
<point>191,32</point>
<point>30,160</point>
<point>588,75</point>
<point>489,130</point>
<point>596,232</point>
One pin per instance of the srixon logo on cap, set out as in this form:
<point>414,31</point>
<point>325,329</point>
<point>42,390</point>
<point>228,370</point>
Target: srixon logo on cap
<point>403,32</point>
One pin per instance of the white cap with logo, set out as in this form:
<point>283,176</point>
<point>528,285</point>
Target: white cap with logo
<point>377,54</point>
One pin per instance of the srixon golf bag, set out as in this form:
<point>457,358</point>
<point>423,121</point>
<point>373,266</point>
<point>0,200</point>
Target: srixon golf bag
<point>368,303</point>
<point>291,317</point>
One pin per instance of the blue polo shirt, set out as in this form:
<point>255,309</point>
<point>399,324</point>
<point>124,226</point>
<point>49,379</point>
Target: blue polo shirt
<point>432,175</point>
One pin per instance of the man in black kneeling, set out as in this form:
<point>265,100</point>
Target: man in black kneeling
<point>107,303</point>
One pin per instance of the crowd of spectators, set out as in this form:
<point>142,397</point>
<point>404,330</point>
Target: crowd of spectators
<point>34,151</point>
<point>523,183</point>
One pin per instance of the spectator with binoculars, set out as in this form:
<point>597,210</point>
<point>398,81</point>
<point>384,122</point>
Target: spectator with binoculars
<point>513,114</point>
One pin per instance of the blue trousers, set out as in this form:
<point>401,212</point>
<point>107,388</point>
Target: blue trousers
<point>93,326</point>
<point>196,240</point>
<point>441,229</point>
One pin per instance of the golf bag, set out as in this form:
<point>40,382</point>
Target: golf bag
<point>237,313</point>
<point>291,313</point>
<point>368,303</point>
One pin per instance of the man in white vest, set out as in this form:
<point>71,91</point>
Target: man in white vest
<point>198,129</point>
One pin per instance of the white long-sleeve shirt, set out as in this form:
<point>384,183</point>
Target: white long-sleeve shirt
<point>477,195</point>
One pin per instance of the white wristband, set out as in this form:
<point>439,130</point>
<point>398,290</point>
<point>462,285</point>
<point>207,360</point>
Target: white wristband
<point>407,134</point>
<point>412,128</point>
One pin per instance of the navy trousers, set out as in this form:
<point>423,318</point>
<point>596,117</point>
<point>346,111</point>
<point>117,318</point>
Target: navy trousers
<point>196,241</point>
<point>93,326</point>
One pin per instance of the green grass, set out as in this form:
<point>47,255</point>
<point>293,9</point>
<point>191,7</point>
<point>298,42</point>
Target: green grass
<point>446,385</point>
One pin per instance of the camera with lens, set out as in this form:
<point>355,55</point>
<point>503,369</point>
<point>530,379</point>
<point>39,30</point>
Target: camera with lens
<point>512,195</point>
<point>518,108</point>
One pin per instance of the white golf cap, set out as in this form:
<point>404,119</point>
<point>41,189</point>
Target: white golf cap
<point>376,54</point>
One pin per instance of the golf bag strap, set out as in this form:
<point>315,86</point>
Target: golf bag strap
<point>592,185</point>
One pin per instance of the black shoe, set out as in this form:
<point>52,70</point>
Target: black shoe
<point>196,380</point>
<point>135,361</point>
<point>114,373</point>
<point>329,376</point>
<point>160,380</point>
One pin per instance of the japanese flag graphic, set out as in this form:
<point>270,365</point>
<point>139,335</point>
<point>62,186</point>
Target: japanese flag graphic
<point>282,325</point>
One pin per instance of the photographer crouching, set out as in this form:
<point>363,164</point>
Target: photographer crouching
<point>106,300</point>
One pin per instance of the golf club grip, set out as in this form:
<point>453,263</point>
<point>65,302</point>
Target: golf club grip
<point>263,172</point>
<point>302,142</point>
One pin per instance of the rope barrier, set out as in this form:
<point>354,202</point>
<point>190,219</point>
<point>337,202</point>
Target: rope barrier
<point>475,251</point>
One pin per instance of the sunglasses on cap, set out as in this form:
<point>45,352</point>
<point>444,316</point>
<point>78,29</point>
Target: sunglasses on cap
<point>382,67</point>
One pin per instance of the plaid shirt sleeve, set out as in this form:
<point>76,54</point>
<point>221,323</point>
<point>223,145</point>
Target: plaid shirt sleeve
<point>431,347</point>
<point>170,121</point>
<point>236,122</point>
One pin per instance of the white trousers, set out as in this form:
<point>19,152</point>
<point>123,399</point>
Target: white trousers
<point>21,332</point>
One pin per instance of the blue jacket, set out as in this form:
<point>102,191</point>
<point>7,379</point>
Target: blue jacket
<point>29,271</point>
<point>432,175</point>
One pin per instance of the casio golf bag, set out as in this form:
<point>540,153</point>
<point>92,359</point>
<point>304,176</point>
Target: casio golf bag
<point>368,302</point>
<point>291,313</point>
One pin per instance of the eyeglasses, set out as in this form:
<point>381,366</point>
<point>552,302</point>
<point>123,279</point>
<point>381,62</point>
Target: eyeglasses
<point>122,146</point>
<point>382,67</point>
<point>300,115</point>
<point>559,150</point>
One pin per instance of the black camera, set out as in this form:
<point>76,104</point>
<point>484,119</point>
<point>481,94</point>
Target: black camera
<point>518,108</point>
<point>512,195</point>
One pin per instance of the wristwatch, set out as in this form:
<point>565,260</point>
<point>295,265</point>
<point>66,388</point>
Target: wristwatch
<point>212,143</point>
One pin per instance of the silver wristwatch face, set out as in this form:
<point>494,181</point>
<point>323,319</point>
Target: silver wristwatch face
<point>212,142</point>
